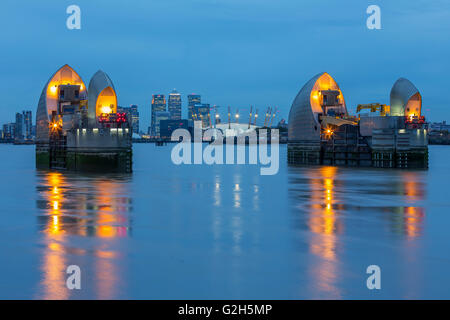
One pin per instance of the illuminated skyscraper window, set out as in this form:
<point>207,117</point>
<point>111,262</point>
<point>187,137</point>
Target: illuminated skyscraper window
<point>193,99</point>
<point>174,105</point>
<point>158,104</point>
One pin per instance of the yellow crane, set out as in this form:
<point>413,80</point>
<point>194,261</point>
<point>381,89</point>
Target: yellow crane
<point>374,107</point>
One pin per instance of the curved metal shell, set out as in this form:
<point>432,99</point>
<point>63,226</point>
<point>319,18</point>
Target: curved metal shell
<point>48,100</point>
<point>303,123</point>
<point>99,85</point>
<point>405,98</point>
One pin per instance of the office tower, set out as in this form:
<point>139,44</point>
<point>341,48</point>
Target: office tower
<point>158,105</point>
<point>193,99</point>
<point>174,105</point>
<point>19,127</point>
<point>159,116</point>
<point>8,131</point>
<point>134,113</point>
<point>202,113</point>
<point>27,124</point>
<point>167,127</point>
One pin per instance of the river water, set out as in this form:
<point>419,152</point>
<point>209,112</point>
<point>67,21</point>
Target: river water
<point>223,231</point>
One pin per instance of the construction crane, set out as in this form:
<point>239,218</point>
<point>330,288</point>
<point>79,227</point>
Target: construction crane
<point>374,107</point>
<point>250,117</point>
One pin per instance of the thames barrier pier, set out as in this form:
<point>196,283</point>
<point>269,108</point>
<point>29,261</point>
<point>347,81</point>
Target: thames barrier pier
<point>79,128</point>
<point>321,131</point>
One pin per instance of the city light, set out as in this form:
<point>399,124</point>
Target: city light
<point>55,125</point>
<point>106,109</point>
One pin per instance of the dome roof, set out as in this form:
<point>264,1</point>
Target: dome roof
<point>48,100</point>
<point>303,123</point>
<point>403,92</point>
<point>100,86</point>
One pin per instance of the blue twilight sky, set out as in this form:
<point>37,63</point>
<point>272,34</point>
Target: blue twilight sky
<point>232,52</point>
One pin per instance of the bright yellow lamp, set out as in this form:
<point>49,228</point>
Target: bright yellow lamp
<point>106,109</point>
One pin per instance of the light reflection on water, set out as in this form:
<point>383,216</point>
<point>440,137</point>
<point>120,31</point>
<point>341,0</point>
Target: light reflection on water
<point>72,206</point>
<point>327,200</point>
<point>99,207</point>
<point>329,190</point>
<point>324,224</point>
<point>223,232</point>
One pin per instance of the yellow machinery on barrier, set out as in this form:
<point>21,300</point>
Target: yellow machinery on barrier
<point>374,107</point>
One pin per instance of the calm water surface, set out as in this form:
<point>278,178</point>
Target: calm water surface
<point>223,232</point>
